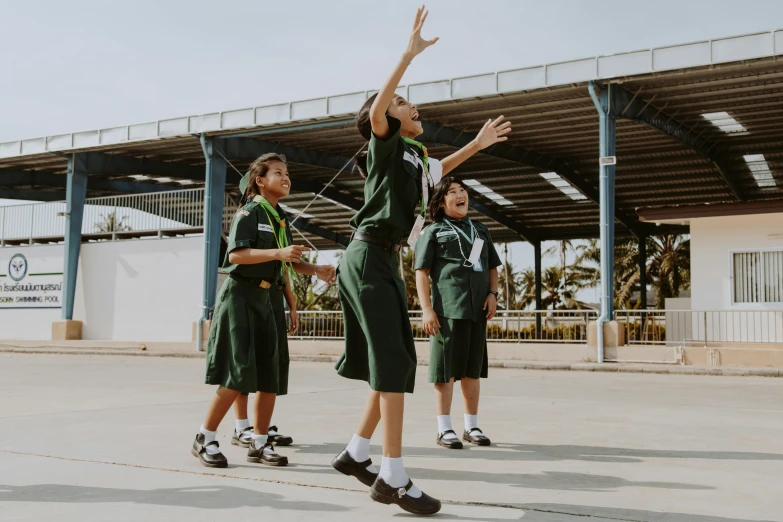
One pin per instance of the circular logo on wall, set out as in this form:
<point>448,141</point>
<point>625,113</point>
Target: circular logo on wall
<point>17,267</point>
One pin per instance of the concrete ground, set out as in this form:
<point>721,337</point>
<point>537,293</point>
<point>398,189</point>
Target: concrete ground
<point>90,437</point>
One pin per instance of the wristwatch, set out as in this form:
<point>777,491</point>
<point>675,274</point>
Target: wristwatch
<point>495,293</point>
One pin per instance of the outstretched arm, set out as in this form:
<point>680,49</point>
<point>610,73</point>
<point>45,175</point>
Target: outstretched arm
<point>492,132</point>
<point>416,44</point>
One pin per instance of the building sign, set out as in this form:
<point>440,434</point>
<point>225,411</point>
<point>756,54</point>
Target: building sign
<point>30,282</point>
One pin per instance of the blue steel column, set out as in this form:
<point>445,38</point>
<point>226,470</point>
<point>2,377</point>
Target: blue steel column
<point>537,270</point>
<point>606,147</point>
<point>214,196</point>
<point>76,193</point>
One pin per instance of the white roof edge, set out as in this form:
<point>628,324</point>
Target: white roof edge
<point>695,54</point>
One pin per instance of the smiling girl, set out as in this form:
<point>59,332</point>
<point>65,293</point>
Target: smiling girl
<point>379,346</point>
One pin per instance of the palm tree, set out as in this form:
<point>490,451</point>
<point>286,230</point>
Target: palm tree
<point>111,223</point>
<point>668,267</point>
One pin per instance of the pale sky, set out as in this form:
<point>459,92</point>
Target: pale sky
<point>76,65</point>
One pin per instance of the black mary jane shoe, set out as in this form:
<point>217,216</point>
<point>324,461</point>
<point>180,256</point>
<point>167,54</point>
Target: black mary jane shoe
<point>279,440</point>
<point>199,450</point>
<point>385,494</point>
<point>475,436</point>
<point>243,438</point>
<point>346,465</point>
<point>257,455</point>
<point>451,442</point>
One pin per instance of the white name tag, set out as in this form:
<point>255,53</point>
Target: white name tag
<point>446,233</point>
<point>407,156</point>
<point>265,228</point>
<point>416,231</point>
<point>475,254</point>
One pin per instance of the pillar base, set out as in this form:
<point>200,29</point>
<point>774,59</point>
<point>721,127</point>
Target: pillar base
<point>205,326</point>
<point>67,330</point>
<point>614,334</point>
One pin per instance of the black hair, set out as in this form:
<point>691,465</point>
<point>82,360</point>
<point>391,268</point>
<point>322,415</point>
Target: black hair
<point>364,126</point>
<point>439,196</point>
<point>258,169</point>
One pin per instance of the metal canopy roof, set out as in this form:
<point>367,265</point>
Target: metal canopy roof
<point>697,123</point>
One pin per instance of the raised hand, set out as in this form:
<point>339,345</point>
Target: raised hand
<point>417,44</point>
<point>292,254</point>
<point>493,132</point>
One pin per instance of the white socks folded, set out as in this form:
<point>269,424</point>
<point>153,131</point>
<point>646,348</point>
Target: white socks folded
<point>209,436</point>
<point>444,424</point>
<point>259,441</point>
<point>242,424</point>
<point>393,473</point>
<point>359,450</point>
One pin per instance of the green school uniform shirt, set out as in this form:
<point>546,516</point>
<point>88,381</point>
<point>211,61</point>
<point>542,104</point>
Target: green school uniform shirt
<point>458,292</point>
<point>251,229</point>
<point>392,191</point>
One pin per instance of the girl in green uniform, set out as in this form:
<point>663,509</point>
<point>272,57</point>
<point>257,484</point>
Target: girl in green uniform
<point>379,344</point>
<point>242,354</point>
<point>458,255</point>
<point>277,293</point>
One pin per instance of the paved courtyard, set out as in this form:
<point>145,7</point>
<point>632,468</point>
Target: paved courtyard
<point>105,438</point>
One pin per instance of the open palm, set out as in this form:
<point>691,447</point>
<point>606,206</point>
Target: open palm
<point>417,44</point>
<point>493,132</point>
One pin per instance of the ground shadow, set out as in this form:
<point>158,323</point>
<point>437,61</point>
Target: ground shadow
<point>207,497</point>
<point>548,480</point>
<point>544,453</point>
<point>557,512</point>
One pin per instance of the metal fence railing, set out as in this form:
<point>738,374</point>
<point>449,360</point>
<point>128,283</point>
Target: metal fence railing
<point>160,214</point>
<point>701,327</point>
<point>556,326</point>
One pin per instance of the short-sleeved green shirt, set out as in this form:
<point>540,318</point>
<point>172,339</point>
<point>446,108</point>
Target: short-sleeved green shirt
<point>251,229</point>
<point>458,291</point>
<point>392,191</point>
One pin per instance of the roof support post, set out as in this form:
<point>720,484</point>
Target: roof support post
<point>214,195</point>
<point>607,148</point>
<point>76,193</point>
<point>539,300</point>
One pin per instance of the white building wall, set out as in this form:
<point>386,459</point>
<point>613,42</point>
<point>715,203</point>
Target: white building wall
<point>137,290</point>
<point>712,240</point>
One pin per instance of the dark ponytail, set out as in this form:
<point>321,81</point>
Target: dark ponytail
<point>364,126</point>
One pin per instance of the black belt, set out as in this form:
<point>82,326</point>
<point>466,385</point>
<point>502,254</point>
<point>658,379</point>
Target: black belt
<point>384,243</point>
<point>261,283</point>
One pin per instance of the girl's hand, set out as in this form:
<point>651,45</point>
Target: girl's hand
<point>291,254</point>
<point>493,132</point>
<point>491,306</point>
<point>294,321</point>
<point>326,273</point>
<point>430,322</point>
<point>417,44</point>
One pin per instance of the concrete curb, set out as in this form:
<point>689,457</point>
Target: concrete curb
<point>670,369</point>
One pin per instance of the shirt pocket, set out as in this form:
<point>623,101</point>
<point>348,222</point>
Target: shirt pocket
<point>448,247</point>
<point>265,240</point>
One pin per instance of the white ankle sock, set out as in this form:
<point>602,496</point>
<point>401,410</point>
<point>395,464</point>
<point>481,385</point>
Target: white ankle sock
<point>209,436</point>
<point>393,473</point>
<point>444,424</point>
<point>471,421</point>
<point>359,450</point>
<point>259,441</point>
<point>242,424</point>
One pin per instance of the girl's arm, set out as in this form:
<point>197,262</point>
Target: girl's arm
<point>429,317</point>
<point>325,273</point>
<point>492,132</point>
<point>416,44</point>
<point>291,300</point>
<point>254,256</point>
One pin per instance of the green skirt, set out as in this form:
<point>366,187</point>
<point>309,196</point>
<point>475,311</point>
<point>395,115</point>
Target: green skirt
<point>379,344</point>
<point>242,349</point>
<point>459,350</point>
<point>277,297</point>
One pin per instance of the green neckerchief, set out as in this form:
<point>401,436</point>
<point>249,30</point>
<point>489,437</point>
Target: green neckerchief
<point>425,160</point>
<point>281,238</point>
